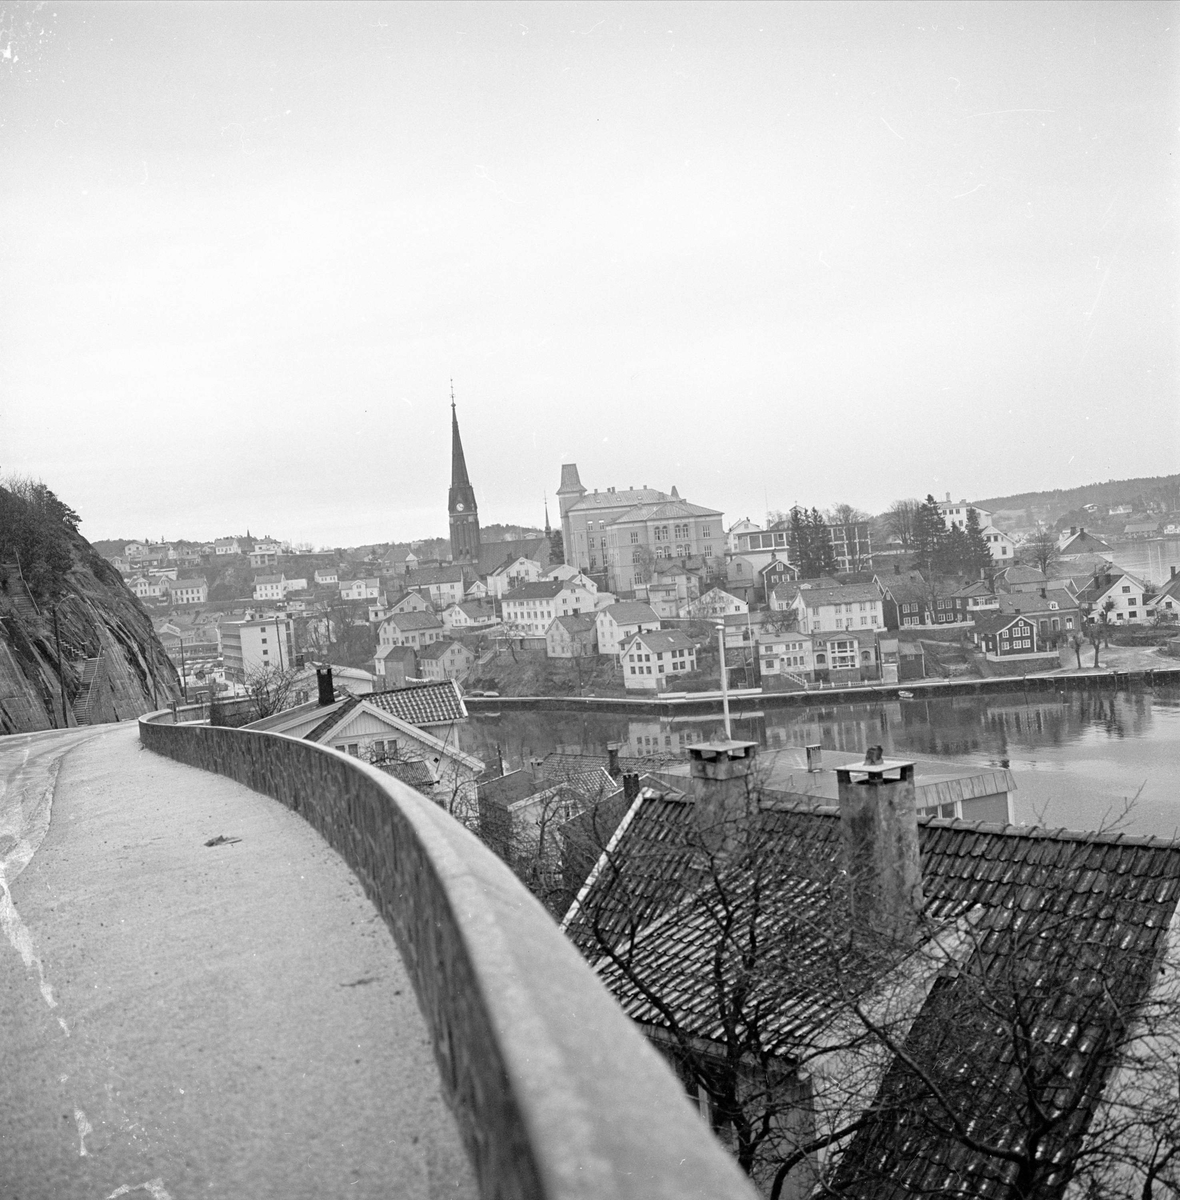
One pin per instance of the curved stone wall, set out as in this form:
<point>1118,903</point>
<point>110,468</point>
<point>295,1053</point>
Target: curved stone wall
<point>557,1095</point>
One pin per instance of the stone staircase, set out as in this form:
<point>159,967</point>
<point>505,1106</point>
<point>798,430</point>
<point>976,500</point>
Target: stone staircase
<point>87,698</point>
<point>19,596</point>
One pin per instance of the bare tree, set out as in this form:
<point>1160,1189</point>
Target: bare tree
<point>269,689</point>
<point>1040,549</point>
<point>899,520</point>
<point>846,514</point>
<point>825,1053</point>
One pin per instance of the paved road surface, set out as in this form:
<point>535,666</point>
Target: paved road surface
<point>179,1020</point>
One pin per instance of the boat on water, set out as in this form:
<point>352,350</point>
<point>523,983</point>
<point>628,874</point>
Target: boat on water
<point>904,695</point>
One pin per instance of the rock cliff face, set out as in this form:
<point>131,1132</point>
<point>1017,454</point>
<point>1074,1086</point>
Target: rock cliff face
<point>112,666</point>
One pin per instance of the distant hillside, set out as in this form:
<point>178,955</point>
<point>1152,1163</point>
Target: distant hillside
<point>1140,493</point>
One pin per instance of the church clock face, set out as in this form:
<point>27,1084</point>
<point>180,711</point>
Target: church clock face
<point>459,507</point>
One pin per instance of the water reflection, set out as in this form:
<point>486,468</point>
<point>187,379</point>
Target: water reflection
<point>1075,755</point>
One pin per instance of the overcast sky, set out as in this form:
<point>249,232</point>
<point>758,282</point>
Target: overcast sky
<point>766,253</point>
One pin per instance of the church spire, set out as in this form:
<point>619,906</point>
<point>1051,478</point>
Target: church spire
<point>461,501</point>
<point>458,462</point>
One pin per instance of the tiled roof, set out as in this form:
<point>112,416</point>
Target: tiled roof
<point>1082,541</point>
<point>1078,919</point>
<point>617,499</point>
<point>440,650</point>
<point>405,653</point>
<point>631,612</point>
<point>267,579</point>
<point>415,772</point>
<point>338,713</point>
<point>977,587</point>
<point>815,597</point>
<point>425,576</point>
<point>1034,602</point>
<point>545,590</point>
<point>423,703</point>
<point>664,510</point>
<point>497,554</point>
<point>413,620</point>
<point>992,622</point>
<point>588,786</point>
<point>1170,589</point>
<point>788,589</point>
<point>1018,573</point>
<point>659,640</point>
<point>577,622</point>
<point>559,765</point>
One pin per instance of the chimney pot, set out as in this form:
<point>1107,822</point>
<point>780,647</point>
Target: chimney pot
<point>879,832</point>
<point>630,786</point>
<point>612,759</point>
<point>724,801</point>
<point>815,757</point>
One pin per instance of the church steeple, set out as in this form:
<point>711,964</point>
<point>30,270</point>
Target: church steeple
<point>461,500</point>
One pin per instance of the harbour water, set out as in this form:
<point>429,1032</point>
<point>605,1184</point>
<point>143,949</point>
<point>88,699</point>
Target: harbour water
<point>1079,758</point>
<point>1152,560</point>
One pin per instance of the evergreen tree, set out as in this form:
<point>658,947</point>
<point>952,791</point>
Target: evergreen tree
<point>977,555</point>
<point>799,540</point>
<point>811,544</point>
<point>929,533</point>
<point>951,556</point>
<point>823,556</point>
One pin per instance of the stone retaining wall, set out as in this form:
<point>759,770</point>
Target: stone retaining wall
<point>556,1093</point>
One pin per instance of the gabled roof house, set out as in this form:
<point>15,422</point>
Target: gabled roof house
<point>868,1004</point>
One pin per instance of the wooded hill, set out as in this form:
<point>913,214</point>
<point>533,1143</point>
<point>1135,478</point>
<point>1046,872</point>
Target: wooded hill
<point>1141,493</point>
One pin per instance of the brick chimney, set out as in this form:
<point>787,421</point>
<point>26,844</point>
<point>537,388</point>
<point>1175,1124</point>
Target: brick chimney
<point>323,678</point>
<point>879,831</point>
<point>722,783</point>
<point>630,786</point>
<point>612,759</point>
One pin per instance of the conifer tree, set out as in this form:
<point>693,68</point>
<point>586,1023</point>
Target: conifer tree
<point>823,556</point>
<point>929,534</point>
<point>978,556</point>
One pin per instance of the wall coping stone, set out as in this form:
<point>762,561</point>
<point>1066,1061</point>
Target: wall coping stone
<point>556,1093</point>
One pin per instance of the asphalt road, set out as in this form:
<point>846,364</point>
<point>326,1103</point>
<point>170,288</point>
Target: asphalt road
<point>182,1020</point>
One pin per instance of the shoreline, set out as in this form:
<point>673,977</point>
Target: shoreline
<point>745,697</point>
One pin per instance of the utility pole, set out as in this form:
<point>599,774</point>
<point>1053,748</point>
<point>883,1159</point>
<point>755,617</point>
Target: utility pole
<point>61,679</point>
<point>183,674</point>
<point>724,680</point>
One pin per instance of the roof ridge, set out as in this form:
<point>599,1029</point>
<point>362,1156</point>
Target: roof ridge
<point>1060,833</point>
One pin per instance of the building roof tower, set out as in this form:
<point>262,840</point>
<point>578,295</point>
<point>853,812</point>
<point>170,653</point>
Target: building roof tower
<point>464,515</point>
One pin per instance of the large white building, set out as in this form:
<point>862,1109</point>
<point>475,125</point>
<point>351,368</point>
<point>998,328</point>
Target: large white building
<point>533,607</point>
<point>855,606</point>
<point>622,534</point>
<point>249,645</point>
<point>618,622</point>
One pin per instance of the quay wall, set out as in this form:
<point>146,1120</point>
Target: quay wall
<point>919,689</point>
<point>556,1093</point>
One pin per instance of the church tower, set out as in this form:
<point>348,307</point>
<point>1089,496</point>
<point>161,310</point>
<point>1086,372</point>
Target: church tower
<point>461,500</point>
